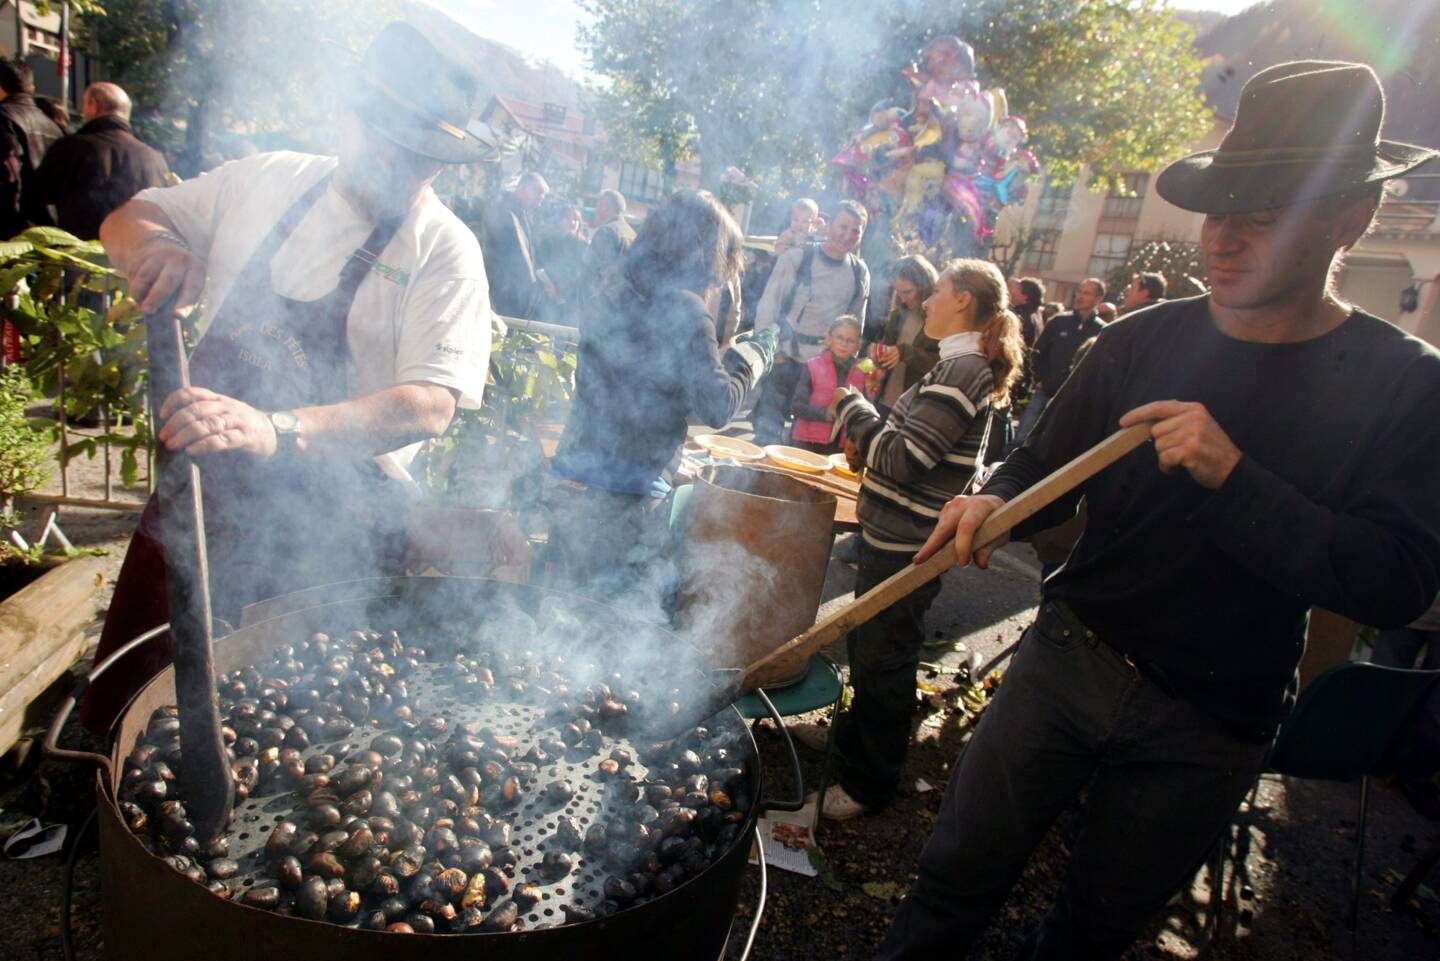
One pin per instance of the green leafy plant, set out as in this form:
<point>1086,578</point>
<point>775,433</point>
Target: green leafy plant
<point>25,461</point>
<point>59,287</point>
<point>488,456</point>
<point>24,450</point>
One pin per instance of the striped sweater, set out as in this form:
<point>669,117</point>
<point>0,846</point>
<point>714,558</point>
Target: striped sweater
<point>924,454</point>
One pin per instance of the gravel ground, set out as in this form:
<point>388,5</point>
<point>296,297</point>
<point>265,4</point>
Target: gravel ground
<point>1298,866</point>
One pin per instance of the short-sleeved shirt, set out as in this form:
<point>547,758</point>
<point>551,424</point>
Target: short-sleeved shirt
<point>422,314</point>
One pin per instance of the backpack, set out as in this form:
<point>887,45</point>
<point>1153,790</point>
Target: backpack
<point>802,277</point>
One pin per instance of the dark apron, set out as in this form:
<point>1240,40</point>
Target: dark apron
<point>272,526</point>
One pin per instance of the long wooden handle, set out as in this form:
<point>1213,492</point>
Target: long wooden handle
<point>205,776</point>
<point>789,658</point>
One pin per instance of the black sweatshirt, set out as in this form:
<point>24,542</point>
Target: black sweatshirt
<point>1050,360</point>
<point>1334,503</point>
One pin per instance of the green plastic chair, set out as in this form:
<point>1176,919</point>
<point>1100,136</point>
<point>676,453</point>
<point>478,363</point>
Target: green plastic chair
<point>1347,724</point>
<point>822,685</point>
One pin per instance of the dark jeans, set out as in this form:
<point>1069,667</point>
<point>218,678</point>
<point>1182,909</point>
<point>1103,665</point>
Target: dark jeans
<point>871,738</point>
<point>772,407</point>
<point>1164,780</point>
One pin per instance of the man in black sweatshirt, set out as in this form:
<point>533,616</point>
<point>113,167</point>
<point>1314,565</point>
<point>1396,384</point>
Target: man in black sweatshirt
<point>1293,462</point>
<point>1054,351</point>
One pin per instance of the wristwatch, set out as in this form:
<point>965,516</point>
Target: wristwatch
<point>287,431</point>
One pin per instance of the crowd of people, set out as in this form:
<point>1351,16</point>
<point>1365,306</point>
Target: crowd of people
<point>74,180</point>
<point>347,317</point>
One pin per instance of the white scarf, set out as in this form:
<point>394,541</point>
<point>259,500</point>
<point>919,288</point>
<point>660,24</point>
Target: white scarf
<point>966,342</point>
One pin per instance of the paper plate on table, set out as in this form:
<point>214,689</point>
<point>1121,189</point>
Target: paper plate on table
<point>797,458</point>
<point>721,446</point>
<point>840,465</point>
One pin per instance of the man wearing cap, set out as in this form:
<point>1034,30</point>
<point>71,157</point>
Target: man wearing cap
<point>345,317</point>
<point>1293,463</point>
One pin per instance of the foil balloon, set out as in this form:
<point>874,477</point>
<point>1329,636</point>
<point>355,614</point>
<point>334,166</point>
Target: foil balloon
<point>1008,183</point>
<point>946,60</point>
<point>922,184</point>
<point>939,172</point>
<point>974,113</point>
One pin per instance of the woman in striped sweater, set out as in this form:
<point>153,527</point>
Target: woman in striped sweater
<point>926,453</point>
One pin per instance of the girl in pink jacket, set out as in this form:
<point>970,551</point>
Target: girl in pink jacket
<point>836,366</point>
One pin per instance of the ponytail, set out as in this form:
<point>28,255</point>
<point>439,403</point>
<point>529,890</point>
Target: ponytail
<point>1004,347</point>
<point>1000,338</point>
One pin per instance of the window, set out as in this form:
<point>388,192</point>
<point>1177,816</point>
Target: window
<point>554,113</point>
<point>1125,199</point>
<point>1110,252</point>
<point>1040,254</point>
<point>644,184</point>
<point>38,39</point>
<point>1054,201</point>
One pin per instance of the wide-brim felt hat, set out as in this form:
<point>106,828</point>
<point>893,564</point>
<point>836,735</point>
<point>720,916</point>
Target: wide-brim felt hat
<point>1304,129</point>
<point>411,95</point>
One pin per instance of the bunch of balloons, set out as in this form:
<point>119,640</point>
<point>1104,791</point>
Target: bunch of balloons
<point>939,169</point>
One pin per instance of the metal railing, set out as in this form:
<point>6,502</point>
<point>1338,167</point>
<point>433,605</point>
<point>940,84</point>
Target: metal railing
<point>108,499</point>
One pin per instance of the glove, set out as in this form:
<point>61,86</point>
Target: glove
<point>755,350</point>
<point>768,339</point>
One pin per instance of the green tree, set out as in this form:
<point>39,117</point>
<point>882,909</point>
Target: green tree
<point>200,70</point>
<point>772,86</point>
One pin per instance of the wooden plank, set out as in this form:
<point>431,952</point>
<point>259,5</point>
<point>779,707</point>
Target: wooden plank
<point>45,614</point>
<point>63,500</point>
<point>16,701</point>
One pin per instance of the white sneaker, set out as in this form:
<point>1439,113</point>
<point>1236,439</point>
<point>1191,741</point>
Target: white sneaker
<point>812,736</point>
<point>840,806</point>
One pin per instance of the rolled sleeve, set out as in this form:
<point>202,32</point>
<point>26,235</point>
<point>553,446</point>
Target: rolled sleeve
<point>445,338</point>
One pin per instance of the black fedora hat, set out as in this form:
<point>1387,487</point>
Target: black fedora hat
<point>404,90</point>
<point>1304,129</point>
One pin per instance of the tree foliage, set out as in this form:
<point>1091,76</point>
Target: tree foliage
<point>773,86</point>
<point>202,71</point>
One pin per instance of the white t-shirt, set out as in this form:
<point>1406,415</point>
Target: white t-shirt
<point>422,315</point>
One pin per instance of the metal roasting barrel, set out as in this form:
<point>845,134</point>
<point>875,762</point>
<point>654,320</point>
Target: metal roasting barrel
<point>154,912</point>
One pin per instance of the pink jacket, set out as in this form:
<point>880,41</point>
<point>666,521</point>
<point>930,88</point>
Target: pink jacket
<point>823,381</point>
